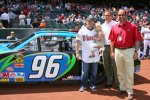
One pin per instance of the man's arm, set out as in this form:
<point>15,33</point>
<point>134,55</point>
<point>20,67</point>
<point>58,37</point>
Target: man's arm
<point>77,49</point>
<point>136,45</point>
<point>137,39</point>
<point>112,48</point>
<point>135,56</point>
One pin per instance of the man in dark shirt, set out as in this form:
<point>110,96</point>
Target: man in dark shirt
<point>35,24</point>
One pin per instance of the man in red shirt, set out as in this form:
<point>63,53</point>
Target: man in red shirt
<point>125,39</point>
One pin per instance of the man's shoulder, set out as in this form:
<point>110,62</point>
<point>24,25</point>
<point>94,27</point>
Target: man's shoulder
<point>82,29</point>
<point>115,25</point>
<point>145,30</point>
<point>113,22</point>
<point>8,37</point>
<point>133,25</point>
<point>130,23</point>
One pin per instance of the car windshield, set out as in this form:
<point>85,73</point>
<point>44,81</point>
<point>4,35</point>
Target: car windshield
<point>20,41</point>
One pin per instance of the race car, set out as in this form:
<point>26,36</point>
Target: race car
<point>44,56</point>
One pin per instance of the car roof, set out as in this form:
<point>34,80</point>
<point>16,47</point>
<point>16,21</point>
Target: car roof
<point>55,33</point>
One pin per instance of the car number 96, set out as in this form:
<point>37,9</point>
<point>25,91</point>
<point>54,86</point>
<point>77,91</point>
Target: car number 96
<point>39,63</point>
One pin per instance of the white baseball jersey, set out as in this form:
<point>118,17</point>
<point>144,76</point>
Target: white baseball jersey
<point>86,38</point>
<point>146,33</point>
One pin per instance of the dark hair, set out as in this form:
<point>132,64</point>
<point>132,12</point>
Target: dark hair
<point>123,10</point>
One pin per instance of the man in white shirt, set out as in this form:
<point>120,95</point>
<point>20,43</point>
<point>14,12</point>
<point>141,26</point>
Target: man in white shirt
<point>146,35</point>
<point>5,19</point>
<point>109,63</point>
<point>86,36</point>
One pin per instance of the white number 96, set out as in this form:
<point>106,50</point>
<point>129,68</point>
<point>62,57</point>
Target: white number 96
<point>39,64</point>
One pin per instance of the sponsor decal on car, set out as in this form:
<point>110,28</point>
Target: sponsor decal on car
<point>19,79</point>
<point>16,74</point>
<point>18,65</point>
<point>12,74</point>
<point>4,75</point>
<point>4,80</point>
<point>70,77</point>
<point>19,62</point>
<point>9,69</point>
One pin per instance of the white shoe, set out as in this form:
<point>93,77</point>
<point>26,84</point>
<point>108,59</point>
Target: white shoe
<point>93,88</point>
<point>82,89</point>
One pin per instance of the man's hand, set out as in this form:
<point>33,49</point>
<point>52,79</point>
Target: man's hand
<point>135,55</point>
<point>78,56</point>
<point>112,55</point>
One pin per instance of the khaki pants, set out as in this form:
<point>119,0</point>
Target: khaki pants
<point>125,69</point>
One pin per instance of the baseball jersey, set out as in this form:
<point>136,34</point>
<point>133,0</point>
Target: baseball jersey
<point>86,37</point>
<point>146,33</point>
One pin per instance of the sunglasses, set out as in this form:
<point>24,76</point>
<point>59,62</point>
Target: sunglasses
<point>121,14</point>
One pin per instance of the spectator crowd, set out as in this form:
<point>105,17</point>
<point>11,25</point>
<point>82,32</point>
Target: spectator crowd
<point>62,15</point>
